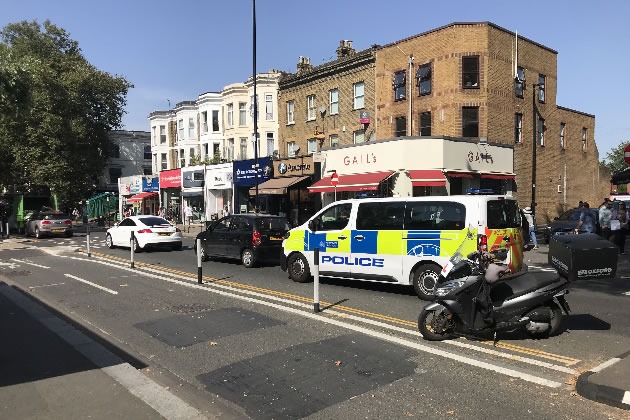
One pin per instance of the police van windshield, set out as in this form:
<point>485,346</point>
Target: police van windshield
<point>503,214</point>
<point>334,218</point>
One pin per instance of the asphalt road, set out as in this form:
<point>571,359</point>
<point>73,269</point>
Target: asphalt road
<point>247,339</point>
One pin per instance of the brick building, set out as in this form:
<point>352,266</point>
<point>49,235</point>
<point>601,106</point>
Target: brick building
<point>321,106</point>
<point>459,80</point>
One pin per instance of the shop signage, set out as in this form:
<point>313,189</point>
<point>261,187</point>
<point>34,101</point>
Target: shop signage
<point>294,167</point>
<point>217,180</point>
<point>171,179</point>
<point>364,117</point>
<point>245,173</point>
<point>192,179</point>
<point>123,189</point>
<point>136,186</point>
<point>359,159</point>
<point>151,184</point>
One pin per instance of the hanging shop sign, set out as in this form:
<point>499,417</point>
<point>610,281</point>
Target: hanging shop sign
<point>151,184</point>
<point>245,173</point>
<point>192,178</point>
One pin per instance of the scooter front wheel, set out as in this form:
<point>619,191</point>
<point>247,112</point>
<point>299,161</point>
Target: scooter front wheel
<point>434,326</point>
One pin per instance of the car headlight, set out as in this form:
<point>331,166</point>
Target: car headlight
<point>447,288</point>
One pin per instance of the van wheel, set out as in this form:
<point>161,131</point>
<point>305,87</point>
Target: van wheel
<point>298,268</point>
<point>425,278</point>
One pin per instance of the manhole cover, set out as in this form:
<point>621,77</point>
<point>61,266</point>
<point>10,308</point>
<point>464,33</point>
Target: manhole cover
<point>189,308</point>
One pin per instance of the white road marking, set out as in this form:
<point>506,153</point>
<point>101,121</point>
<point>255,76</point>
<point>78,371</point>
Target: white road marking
<point>113,292</point>
<point>46,285</point>
<point>605,364</point>
<point>12,266</point>
<point>30,263</point>
<point>385,337</point>
<point>627,293</point>
<point>626,398</point>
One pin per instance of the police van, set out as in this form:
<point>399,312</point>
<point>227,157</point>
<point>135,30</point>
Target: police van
<point>401,240</point>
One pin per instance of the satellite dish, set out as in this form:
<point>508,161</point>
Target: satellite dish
<point>322,110</point>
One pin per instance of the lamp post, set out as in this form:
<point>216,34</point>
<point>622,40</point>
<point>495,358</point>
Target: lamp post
<point>535,139</point>
<point>255,107</point>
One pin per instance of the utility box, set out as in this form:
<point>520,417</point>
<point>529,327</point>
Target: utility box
<point>583,256</point>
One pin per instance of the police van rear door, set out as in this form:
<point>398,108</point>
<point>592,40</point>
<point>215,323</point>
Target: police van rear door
<point>503,229</point>
<point>376,243</point>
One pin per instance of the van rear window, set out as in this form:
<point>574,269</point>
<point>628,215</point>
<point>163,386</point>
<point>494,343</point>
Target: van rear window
<point>503,214</point>
<point>273,224</point>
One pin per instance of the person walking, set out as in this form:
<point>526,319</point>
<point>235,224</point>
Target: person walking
<point>605,216</point>
<point>527,211</point>
<point>161,212</point>
<point>587,221</point>
<point>620,219</point>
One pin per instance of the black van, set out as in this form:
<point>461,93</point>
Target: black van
<point>251,238</point>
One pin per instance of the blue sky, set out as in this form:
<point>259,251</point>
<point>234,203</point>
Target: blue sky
<point>176,50</point>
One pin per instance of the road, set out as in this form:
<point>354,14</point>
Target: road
<point>247,341</point>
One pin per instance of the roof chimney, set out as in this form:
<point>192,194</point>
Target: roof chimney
<point>345,49</point>
<point>304,65</point>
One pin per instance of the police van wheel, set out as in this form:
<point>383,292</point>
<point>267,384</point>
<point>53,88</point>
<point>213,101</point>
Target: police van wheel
<point>298,268</point>
<point>425,278</point>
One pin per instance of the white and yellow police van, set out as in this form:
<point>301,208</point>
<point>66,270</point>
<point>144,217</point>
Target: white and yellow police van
<point>401,240</point>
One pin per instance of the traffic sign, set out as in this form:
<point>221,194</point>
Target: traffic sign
<point>334,179</point>
<point>626,154</point>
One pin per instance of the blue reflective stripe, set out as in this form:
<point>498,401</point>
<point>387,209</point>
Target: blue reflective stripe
<point>369,244</point>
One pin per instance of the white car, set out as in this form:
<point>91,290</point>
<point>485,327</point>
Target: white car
<point>147,231</point>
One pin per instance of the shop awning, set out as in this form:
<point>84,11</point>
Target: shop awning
<point>141,196</point>
<point>427,178</point>
<point>355,182</point>
<point>276,186</point>
<point>498,176</point>
<point>461,174</point>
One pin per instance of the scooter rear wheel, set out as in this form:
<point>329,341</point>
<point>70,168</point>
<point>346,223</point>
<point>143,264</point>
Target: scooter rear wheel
<point>428,324</point>
<point>554,325</point>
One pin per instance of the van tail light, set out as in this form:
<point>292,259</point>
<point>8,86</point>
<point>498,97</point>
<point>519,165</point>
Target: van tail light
<point>46,222</point>
<point>145,231</point>
<point>482,243</point>
<point>256,239</point>
<point>68,222</point>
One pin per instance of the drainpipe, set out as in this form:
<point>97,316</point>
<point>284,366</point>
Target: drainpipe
<point>410,133</point>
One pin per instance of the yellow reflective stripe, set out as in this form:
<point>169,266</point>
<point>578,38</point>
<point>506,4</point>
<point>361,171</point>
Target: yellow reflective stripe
<point>389,242</point>
<point>343,244</point>
<point>296,241</point>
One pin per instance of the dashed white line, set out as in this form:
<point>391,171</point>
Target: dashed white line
<point>29,263</point>
<point>113,292</point>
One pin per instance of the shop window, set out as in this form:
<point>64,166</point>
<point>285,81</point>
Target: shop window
<point>470,121</point>
<point>440,215</point>
<point>381,216</point>
<point>425,123</point>
<point>400,85</point>
<point>334,218</point>
<point>519,84</point>
<point>470,72</point>
<point>401,127</point>
<point>518,128</point>
<point>423,79</point>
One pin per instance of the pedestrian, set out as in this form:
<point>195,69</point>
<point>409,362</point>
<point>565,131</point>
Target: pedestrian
<point>161,212</point>
<point>188,214</point>
<point>619,225</point>
<point>605,216</point>
<point>587,221</point>
<point>527,211</point>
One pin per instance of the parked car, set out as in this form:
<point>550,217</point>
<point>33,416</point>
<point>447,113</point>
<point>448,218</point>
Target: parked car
<point>567,222</point>
<point>148,231</point>
<point>251,238</point>
<point>41,224</point>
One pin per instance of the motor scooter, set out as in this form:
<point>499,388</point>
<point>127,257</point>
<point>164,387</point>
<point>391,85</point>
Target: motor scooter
<point>477,296</point>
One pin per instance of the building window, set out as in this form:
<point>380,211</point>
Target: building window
<point>243,154</point>
<point>584,137</point>
<point>425,123</point>
<point>251,107</point>
<point>519,84</point>
<point>400,85</point>
<point>230,149</point>
<point>423,79</point>
<point>115,151</point>
<point>359,136</point>
<point>162,134</point>
<point>204,121</point>
<point>310,107</point>
<point>191,128</point>
<point>242,113</point>
<point>541,132</point>
<point>518,128</point>
<point>271,144</point>
<point>147,151</point>
<point>182,158</point>
<point>230,115</point>
<point>401,127</point>
<point>153,136</point>
<point>359,95</point>
<point>563,127</point>
<point>312,146</point>
<point>191,155</point>
<point>147,171</point>
<point>470,72</point>
<point>215,121</point>
<point>291,149</point>
<point>334,140</point>
<point>269,107</point>
<point>114,174</point>
<point>206,150</point>
<point>541,88</point>
<point>216,150</point>
<point>180,126</point>
<point>163,162</point>
<point>290,112</point>
<point>334,101</point>
<point>470,121</point>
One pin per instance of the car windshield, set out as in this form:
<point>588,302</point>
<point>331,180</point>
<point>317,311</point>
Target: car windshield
<point>154,221</point>
<point>272,224</point>
<point>54,216</point>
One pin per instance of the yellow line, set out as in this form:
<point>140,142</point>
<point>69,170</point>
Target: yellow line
<point>539,353</point>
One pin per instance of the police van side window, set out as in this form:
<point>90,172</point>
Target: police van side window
<point>335,218</point>
<point>385,215</point>
<point>443,215</point>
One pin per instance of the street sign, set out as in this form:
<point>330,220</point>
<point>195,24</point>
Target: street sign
<point>334,179</point>
<point>626,154</point>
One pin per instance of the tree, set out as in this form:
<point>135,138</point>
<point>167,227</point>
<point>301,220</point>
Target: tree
<point>614,159</point>
<point>56,110</point>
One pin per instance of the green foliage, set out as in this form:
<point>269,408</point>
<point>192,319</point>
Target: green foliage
<point>614,159</point>
<point>56,110</point>
<point>195,160</point>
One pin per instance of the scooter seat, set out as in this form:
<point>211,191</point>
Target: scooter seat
<point>515,286</point>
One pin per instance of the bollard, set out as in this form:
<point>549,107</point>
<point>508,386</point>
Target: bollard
<point>7,230</point>
<point>2,231</point>
<point>199,275</point>
<point>131,243</point>
<point>316,281</point>
<point>88,241</point>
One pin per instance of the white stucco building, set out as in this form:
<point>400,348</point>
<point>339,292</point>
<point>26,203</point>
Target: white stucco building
<point>163,141</point>
<point>130,155</point>
<point>210,126</point>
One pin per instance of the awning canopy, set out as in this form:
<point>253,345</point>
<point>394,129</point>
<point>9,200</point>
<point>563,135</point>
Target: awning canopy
<point>141,196</point>
<point>276,186</point>
<point>460,174</point>
<point>427,178</point>
<point>485,175</point>
<point>355,182</point>
<point>498,176</point>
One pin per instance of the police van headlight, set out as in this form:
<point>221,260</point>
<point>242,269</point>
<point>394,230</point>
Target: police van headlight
<point>447,288</point>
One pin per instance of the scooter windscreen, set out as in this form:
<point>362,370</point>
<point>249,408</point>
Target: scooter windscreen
<point>469,241</point>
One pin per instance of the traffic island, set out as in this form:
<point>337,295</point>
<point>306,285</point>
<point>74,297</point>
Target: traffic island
<point>608,383</point>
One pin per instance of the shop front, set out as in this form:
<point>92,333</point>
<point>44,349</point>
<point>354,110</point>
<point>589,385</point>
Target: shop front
<point>286,194</point>
<point>219,185</point>
<point>192,192</point>
<point>415,166</point>
<point>151,187</point>
<point>244,175</point>
<point>170,185</point>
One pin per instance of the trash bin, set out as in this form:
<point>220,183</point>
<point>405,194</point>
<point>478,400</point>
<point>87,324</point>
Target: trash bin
<point>583,256</point>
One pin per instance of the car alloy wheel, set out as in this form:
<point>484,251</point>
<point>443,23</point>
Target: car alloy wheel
<point>247,257</point>
<point>108,241</point>
<point>38,234</point>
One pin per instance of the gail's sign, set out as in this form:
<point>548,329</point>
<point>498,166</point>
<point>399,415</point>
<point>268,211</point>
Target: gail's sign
<point>360,159</point>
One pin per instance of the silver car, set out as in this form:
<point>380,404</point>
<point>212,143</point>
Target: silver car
<point>49,223</point>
